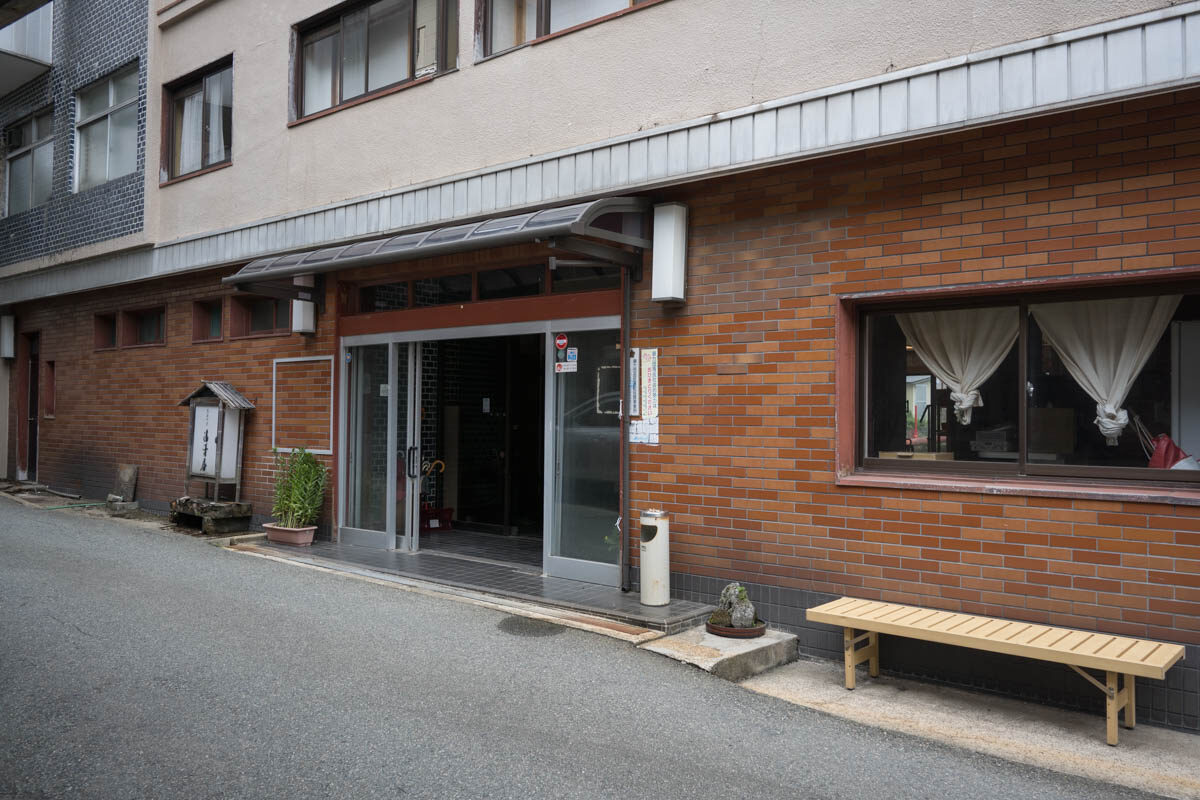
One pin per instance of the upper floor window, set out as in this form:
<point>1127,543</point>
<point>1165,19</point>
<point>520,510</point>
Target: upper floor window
<point>106,127</point>
<point>514,22</point>
<point>200,109</point>
<point>1102,387</point>
<point>30,162</point>
<point>370,47</point>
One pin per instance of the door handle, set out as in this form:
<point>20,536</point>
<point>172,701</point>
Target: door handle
<point>411,461</point>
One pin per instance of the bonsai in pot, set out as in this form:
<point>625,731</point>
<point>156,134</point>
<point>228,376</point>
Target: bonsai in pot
<point>735,616</point>
<point>299,494</point>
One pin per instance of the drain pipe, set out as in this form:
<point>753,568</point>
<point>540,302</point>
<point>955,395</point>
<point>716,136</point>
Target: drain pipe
<point>627,307</point>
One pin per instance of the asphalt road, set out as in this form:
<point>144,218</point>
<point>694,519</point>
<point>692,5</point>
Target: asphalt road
<point>143,664</point>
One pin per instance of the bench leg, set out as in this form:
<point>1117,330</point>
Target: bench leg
<point>1130,702</point>
<point>1112,705</point>
<point>854,656</point>
<point>848,640</point>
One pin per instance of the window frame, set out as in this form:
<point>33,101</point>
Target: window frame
<point>82,122</point>
<point>241,315</point>
<point>29,150</point>
<point>110,321</point>
<point>195,81</point>
<point>1022,469</point>
<point>352,303</point>
<point>330,23</point>
<point>202,311</point>
<point>129,327</point>
<point>541,24</point>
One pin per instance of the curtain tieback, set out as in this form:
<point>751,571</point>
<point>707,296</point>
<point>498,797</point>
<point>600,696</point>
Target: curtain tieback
<point>1111,421</point>
<point>963,403</point>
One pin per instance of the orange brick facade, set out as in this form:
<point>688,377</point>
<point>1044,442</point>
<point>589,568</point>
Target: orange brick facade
<point>757,374</point>
<point>752,370</point>
<point>119,405</point>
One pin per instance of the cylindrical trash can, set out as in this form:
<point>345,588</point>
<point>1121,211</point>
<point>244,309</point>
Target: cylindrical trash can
<point>656,558</point>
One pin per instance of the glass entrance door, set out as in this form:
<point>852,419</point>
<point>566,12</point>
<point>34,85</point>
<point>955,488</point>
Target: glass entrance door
<point>380,459</point>
<point>407,452</point>
<point>586,426</point>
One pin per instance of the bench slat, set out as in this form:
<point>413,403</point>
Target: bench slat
<point>1064,645</point>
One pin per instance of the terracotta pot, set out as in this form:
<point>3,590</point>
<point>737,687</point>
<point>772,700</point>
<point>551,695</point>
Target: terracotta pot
<point>736,633</point>
<point>296,536</point>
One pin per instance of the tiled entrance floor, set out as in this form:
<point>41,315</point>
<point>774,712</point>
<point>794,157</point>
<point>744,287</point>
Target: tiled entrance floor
<point>504,580</point>
<point>472,544</point>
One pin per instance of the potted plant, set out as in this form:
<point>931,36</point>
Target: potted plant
<point>299,494</point>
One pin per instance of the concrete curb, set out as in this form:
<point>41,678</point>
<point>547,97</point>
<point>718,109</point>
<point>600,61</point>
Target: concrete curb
<point>1150,759</point>
<point>731,659</point>
<point>241,538</point>
<point>559,616</point>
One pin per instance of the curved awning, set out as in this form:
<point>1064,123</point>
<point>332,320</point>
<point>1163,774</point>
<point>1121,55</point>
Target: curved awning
<point>620,220</point>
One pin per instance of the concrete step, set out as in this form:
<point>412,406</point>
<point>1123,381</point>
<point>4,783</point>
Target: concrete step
<point>731,659</point>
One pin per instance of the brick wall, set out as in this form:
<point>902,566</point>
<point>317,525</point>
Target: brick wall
<point>120,405</point>
<point>302,403</point>
<point>91,39</point>
<point>750,375</point>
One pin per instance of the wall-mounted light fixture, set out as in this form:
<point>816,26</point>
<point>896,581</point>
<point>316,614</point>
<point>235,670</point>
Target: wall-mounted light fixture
<point>669,281</point>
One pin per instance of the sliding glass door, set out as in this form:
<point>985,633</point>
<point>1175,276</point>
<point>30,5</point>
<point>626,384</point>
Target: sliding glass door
<point>379,461</point>
<point>584,430</point>
<point>580,403</point>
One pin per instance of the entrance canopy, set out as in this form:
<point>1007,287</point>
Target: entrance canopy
<point>620,220</point>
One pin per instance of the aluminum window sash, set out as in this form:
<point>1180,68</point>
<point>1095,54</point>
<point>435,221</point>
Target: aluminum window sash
<point>83,123</point>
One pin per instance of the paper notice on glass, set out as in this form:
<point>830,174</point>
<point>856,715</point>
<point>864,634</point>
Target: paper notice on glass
<point>649,371</point>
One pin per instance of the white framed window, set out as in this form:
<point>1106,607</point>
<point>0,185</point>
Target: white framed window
<point>365,48</point>
<point>30,162</point>
<point>199,111</point>
<point>106,129</point>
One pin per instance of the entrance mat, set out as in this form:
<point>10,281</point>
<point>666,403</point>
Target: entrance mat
<point>504,581</point>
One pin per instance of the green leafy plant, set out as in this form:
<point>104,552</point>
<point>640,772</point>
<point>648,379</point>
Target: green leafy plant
<point>300,482</point>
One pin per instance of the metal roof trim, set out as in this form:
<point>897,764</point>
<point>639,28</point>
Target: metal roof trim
<point>580,224</point>
<point>223,391</point>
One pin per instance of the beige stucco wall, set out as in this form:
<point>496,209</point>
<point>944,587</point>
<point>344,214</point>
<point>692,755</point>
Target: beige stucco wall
<point>673,61</point>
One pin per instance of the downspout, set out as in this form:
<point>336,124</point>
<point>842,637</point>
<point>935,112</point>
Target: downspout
<point>627,300</point>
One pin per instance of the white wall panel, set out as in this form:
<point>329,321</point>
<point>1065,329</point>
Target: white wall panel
<point>1125,59</point>
<point>1087,67</point>
<point>1152,52</point>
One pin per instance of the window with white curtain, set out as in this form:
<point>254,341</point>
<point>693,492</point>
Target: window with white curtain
<point>511,23</point>
<point>369,47</point>
<point>1103,384</point>
<point>106,128</point>
<point>200,109</point>
<point>30,161</point>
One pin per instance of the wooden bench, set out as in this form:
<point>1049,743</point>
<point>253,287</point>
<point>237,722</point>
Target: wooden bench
<point>1079,650</point>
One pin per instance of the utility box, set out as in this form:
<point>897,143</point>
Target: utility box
<point>656,558</point>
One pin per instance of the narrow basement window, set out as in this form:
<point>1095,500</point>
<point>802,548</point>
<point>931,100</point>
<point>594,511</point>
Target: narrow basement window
<point>48,391</point>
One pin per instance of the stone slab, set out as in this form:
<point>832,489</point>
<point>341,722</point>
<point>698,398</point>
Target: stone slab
<point>201,507</point>
<point>119,508</point>
<point>731,659</point>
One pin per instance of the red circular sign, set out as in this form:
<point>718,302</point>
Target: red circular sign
<point>560,341</point>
